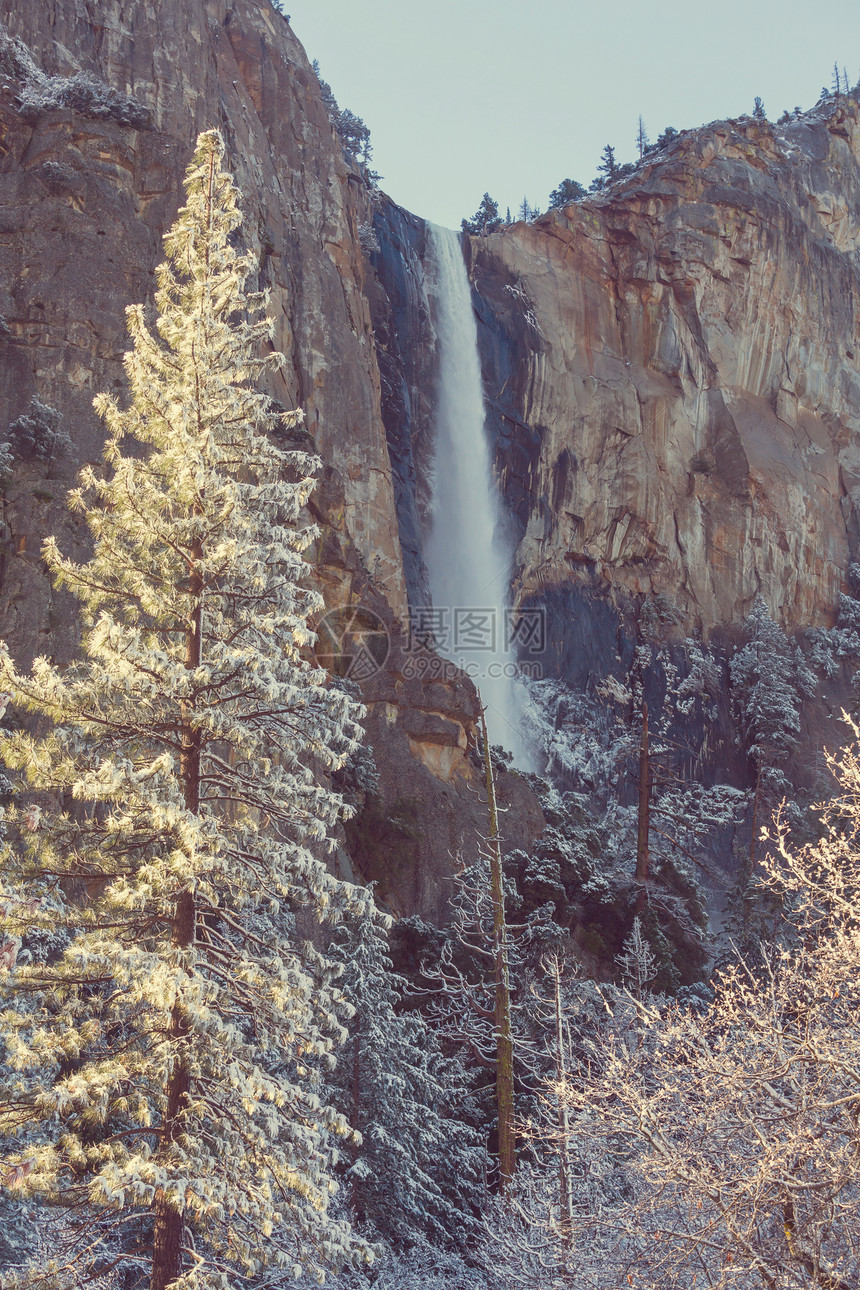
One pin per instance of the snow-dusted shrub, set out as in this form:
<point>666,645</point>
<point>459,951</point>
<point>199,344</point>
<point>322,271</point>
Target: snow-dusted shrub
<point>16,60</point>
<point>830,645</point>
<point>368,241</point>
<point>82,93</point>
<point>37,434</point>
<point>353,134</point>
<point>85,94</point>
<point>424,1267</point>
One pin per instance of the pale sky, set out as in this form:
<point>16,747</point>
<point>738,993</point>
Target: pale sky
<point>463,96</point>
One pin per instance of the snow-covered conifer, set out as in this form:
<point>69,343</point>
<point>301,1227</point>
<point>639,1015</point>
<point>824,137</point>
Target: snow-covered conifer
<point>765,692</point>
<point>418,1163</point>
<point>767,677</point>
<point>160,1063</point>
<point>637,961</point>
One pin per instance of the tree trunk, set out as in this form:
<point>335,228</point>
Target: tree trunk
<point>565,1199</point>
<point>166,1243</point>
<point>747,899</point>
<point>355,1120</point>
<point>169,1223</point>
<point>169,1216</point>
<point>169,1220</point>
<point>642,866</point>
<point>504,1038</point>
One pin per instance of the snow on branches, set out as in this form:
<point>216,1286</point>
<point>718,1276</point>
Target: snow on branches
<point>734,1130</point>
<point>161,1063</point>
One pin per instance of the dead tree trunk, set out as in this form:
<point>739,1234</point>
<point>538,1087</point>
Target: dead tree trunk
<point>644,820</point>
<point>504,1037</point>
<point>565,1198</point>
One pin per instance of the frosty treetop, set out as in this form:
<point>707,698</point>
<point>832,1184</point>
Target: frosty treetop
<point>163,1061</point>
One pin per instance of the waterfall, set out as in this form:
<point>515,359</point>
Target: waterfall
<point>470,550</point>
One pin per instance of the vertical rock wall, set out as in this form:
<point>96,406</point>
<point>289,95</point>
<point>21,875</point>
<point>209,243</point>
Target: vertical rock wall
<point>100,105</point>
<point>674,368</point>
<point>87,200</point>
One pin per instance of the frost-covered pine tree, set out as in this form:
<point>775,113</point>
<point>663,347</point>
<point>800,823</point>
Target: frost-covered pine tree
<point>419,1166</point>
<point>637,961</point>
<point>767,679</point>
<point>765,682</point>
<point>174,816</point>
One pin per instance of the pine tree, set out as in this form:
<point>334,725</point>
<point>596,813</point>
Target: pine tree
<point>469,981</point>
<point>569,190</point>
<point>637,961</point>
<point>502,982</point>
<point>608,167</point>
<point>418,1165</point>
<point>766,680</point>
<point>486,218</point>
<point>641,138</point>
<point>666,137</point>
<point>178,813</point>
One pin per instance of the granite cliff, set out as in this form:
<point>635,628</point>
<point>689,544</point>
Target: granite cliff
<point>99,109</point>
<point>672,369</point>
<point>672,375</point>
<point>684,352</point>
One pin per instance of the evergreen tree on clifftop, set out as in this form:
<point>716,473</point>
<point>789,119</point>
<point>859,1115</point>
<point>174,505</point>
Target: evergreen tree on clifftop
<point>485,220</point>
<point>569,190</point>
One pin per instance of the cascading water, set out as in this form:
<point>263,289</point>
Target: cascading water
<point>469,554</point>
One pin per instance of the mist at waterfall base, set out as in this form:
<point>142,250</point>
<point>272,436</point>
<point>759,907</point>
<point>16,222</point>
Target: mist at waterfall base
<point>470,550</point>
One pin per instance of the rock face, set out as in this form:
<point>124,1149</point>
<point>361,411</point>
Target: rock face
<point>87,199</point>
<point>674,374</point>
<point>99,110</point>
<point>402,316</point>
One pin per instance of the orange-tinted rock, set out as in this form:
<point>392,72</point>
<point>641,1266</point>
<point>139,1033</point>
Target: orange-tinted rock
<point>685,352</point>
